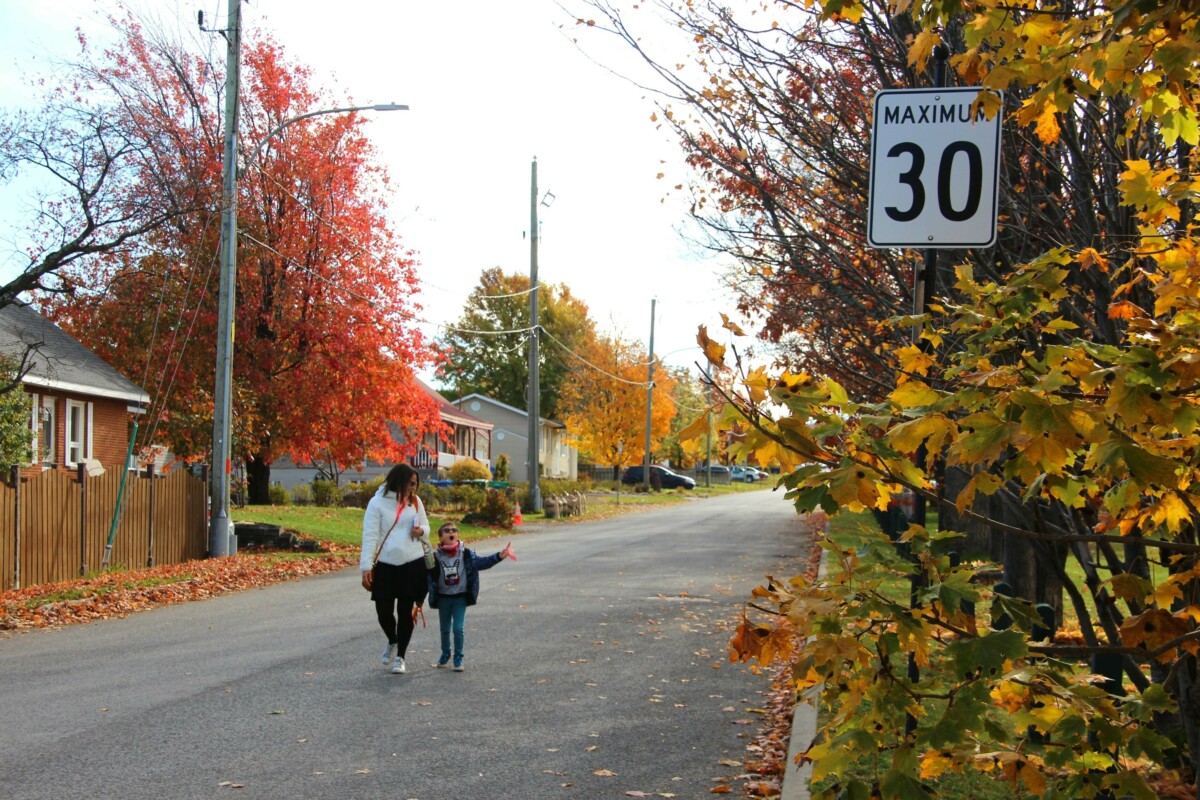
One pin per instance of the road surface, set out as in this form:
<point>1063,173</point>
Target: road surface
<point>596,665</point>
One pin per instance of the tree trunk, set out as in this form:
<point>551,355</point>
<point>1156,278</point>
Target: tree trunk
<point>1189,712</point>
<point>258,481</point>
<point>980,541</point>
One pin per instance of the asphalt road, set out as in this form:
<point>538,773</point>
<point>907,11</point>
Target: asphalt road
<point>596,666</point>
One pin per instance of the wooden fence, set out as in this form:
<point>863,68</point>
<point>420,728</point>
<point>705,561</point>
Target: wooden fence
<point>55,526</point>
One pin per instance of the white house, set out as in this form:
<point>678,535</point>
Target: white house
<point>510,436</point>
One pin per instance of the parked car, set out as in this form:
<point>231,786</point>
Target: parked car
<point>714,469</point>
<point>667,478</point>
<point>762,473</point>
<point>745,474</point>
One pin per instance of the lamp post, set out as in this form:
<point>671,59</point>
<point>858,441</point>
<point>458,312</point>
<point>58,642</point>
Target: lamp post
<point>221,541</point>
<point>649,398</point>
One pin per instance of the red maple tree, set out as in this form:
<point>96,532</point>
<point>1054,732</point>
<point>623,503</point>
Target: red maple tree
<point>325,349</point>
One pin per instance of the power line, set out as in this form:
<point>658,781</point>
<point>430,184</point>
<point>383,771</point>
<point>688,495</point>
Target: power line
<point>308,270</point>
<point>583,360</point>
<point>481,333</point>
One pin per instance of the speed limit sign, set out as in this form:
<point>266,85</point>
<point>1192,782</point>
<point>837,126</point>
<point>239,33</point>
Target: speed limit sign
<point>935,170</point>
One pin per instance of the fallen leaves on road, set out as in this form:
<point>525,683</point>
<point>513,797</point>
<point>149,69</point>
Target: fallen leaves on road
<point>118,594</point>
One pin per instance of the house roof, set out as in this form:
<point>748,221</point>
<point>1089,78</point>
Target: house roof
<point>553,423</point>
<point>451,413</point>
<point>57,361</point>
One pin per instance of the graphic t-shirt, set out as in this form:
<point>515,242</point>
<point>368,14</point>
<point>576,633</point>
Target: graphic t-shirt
<point>452,577</point>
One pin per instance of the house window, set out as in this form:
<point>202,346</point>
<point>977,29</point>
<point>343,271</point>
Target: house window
<point>79,432</point>
<point>46,425</point>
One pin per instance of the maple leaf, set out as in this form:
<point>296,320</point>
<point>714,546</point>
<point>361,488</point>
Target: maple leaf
<point>913,394</point>
<point>1152,629</point>
<point>714,352</point>
<point>922,48</point>
<point>731,326</point>
<point>935,762</point>
<point>1046,121</point>
<point>1123,310</point>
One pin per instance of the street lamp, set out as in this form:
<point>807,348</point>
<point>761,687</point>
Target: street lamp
<point>221,541</point>
<point>378,107</point>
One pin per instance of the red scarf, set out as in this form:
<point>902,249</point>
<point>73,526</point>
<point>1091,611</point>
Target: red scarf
<point>450,550</point>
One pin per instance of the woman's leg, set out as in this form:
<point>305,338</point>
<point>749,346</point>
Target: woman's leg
<point>411,592</point>
<point>404,625</point>
<point>387,619</point>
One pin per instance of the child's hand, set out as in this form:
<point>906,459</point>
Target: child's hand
<point>508,552</point>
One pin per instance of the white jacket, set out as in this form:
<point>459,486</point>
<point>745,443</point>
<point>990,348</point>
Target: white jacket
<point>400,547</point>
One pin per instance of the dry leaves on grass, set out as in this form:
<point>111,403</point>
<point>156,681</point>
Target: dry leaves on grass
<point>118,594</point>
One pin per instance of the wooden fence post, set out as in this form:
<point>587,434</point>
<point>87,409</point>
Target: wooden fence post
<point>81,476</point>
<point>16,481</point>
<point>150,527</point>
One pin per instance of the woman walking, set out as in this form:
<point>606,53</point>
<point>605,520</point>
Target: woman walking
<point>395,539</point>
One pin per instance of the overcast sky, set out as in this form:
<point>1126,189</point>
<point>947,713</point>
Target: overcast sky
<point>491,86</point>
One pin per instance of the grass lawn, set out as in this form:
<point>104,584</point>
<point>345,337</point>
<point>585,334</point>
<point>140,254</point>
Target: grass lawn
<point>343,526</point>
<point>339,526</point>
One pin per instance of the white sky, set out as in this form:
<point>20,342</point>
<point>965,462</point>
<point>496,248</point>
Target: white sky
<point>491,85</point>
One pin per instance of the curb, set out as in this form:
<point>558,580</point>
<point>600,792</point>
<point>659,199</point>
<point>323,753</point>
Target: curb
<point>795,785</point>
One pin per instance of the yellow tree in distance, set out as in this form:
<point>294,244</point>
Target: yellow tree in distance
<point>604,402</point>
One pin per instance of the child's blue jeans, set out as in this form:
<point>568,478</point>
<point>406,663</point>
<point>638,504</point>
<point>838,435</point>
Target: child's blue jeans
<point>452,615</point>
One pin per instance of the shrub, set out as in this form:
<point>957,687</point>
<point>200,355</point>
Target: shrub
<point>325,493</point>
<point>358,493</point>
<point>434,497</point>
<point>278,495</point>
<point>466,497</point>
<point>564,486</point>
<point>495,510</point>
<point>469,470</point>
<point>302,494</point>
<point>502,467</point>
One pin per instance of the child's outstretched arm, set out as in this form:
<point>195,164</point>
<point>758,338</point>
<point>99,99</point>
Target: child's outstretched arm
<point>487,562</point>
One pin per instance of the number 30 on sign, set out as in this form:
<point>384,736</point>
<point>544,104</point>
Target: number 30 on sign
<point>935,170</point>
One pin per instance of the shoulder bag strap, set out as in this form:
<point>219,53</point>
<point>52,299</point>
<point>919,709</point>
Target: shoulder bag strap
<point>379,549</point>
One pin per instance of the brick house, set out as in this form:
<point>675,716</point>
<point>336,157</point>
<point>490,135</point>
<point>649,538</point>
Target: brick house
<point>81,408</point>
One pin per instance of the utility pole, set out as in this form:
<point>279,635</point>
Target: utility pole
<point>649,397</point>
<point>221,541</point>
<point>535,491</point>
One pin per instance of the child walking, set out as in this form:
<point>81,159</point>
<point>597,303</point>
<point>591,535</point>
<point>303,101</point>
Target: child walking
<point>454,585</point>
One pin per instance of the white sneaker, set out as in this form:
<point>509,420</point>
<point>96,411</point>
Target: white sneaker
<point>389,652</point>
<point>398,666</point>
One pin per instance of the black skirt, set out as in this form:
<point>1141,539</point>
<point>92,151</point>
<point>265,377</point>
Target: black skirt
<point>404,582</point>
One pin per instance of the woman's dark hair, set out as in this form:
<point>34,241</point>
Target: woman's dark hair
<point>398,477</point>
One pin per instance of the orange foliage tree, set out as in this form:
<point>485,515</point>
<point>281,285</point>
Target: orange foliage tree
<point>604,402</point>
<point>325,352</point>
